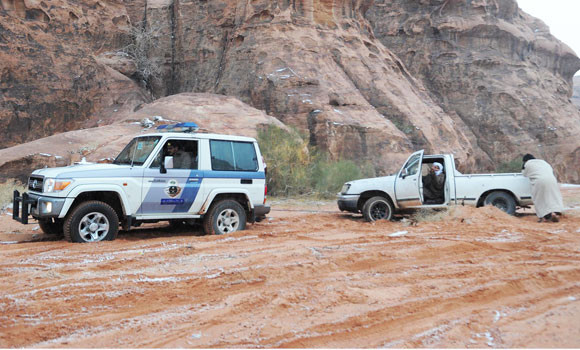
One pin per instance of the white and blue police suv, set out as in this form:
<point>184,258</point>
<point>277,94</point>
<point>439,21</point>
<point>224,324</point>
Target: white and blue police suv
<point>174,174</point>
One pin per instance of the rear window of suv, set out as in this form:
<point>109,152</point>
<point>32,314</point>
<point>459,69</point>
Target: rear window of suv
<point>233,156</point>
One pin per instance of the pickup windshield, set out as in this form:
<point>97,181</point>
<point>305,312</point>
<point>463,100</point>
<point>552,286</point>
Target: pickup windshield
<point>137,151</point>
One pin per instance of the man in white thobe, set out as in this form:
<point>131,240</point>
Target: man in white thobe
<point>545,191</point>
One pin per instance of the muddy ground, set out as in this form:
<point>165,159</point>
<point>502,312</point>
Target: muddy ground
<point>308,276</point>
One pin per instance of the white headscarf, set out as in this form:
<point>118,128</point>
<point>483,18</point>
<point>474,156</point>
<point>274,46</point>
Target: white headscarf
<point>438,172</point>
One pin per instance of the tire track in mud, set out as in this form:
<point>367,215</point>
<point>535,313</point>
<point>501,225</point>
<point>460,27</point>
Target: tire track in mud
<point>302,279</point>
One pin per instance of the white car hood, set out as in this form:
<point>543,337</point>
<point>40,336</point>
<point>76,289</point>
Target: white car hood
<point>376,183</point>
<point>82,170</point>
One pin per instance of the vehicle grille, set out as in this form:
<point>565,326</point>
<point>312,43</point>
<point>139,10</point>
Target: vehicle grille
<point>35,183</point>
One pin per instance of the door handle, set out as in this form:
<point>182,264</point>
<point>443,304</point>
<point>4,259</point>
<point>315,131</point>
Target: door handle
<point>246,181</point>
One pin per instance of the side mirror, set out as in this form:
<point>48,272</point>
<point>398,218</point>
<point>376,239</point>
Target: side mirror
<point>404,173</point>
<point>167,164</point>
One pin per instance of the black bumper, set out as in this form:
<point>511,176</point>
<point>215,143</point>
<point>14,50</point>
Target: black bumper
<point>259,213</point>
<point>350,204</point>
<point>38,206</point>
<point>261,210</point>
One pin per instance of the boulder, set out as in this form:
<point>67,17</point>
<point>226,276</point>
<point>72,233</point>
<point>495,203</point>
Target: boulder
<point>213,113</point>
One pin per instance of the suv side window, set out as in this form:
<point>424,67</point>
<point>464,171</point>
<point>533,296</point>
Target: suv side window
<point>233,156</point>
<point>184,153</point>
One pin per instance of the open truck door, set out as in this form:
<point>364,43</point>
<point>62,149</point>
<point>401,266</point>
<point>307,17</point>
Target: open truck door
<point>407,183</point>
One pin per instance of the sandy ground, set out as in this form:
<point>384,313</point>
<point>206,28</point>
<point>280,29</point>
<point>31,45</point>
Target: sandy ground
<point>308,276</point>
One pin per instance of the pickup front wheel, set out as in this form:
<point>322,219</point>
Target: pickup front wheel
<point>377,208</point>
<point>91,221</point>
<point>225,216</point>
<point>502,201</point>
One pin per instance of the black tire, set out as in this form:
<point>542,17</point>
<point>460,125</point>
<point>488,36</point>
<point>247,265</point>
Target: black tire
<point>225,216</point>
<point>51,226</point>
<point>91,221</point>
<point>177,224</point>
<point>377,208</point>
<point>501,200</point>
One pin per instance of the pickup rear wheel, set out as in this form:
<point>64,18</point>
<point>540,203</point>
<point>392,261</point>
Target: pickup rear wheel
<point>225,216</point>
<point>377,208</point>
<point>501,200</point>
<point>91,221</point>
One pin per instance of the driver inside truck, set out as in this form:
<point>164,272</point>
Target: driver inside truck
<point>181,159</point>
<point>434,184</point>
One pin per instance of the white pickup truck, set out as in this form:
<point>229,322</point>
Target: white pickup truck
<point>379,198</point>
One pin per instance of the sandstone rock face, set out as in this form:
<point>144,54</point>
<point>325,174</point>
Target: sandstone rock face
<point>494,67</point>
<point>367,80</point>
<point>576,94</point>
<point>311,64</point>
<point>213,113</point>
<point>50,79</point>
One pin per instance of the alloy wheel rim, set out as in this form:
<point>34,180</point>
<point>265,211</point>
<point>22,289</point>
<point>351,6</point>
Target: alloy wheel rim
<point>228,221</point>
<point>379,211</point>
<point>501,204</point>
<point>93,227</point>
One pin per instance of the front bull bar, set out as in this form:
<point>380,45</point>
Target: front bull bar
<point>25,201</point>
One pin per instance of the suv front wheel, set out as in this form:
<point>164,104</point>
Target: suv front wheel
<point>91,221</point>
<point>225,216</point>
<point>51,226</point>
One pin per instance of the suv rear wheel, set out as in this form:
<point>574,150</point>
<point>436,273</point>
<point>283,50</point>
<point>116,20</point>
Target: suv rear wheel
<point>225,216</point>
<point>91,221</point>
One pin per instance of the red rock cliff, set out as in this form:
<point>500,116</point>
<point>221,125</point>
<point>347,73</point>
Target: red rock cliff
<point>50,79</point>
<point>312,64</point>
<point>495,67</point>
<point>365,79</point>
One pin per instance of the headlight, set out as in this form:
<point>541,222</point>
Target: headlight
<point>55,185</point>
<point>345,188</point>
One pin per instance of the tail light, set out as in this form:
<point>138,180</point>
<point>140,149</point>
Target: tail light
<point>265,193</point>
<point>265,166</point>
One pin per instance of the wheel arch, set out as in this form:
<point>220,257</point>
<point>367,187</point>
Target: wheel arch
<point>242,197</point>
<point>369,194</point>
<point>112,198</point>
<point>484,195</point>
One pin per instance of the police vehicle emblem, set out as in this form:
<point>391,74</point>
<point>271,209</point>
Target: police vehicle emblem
<point>173,190</point>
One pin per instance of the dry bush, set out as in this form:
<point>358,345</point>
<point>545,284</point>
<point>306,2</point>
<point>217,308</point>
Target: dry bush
<point>7,192</point>
<point>432,215</point>
<point>144,37</point>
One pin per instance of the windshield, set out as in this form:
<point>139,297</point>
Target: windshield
<point>137,151</point>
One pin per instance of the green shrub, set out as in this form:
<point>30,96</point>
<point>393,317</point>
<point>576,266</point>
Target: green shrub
<point>513,166</point>
<point>295,168</point>
<point>329,176</point>
<point>288,158</point>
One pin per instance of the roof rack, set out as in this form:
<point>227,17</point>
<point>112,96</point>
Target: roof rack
<point>179,127</point>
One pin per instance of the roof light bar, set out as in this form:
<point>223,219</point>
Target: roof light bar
<point>179,127</point>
